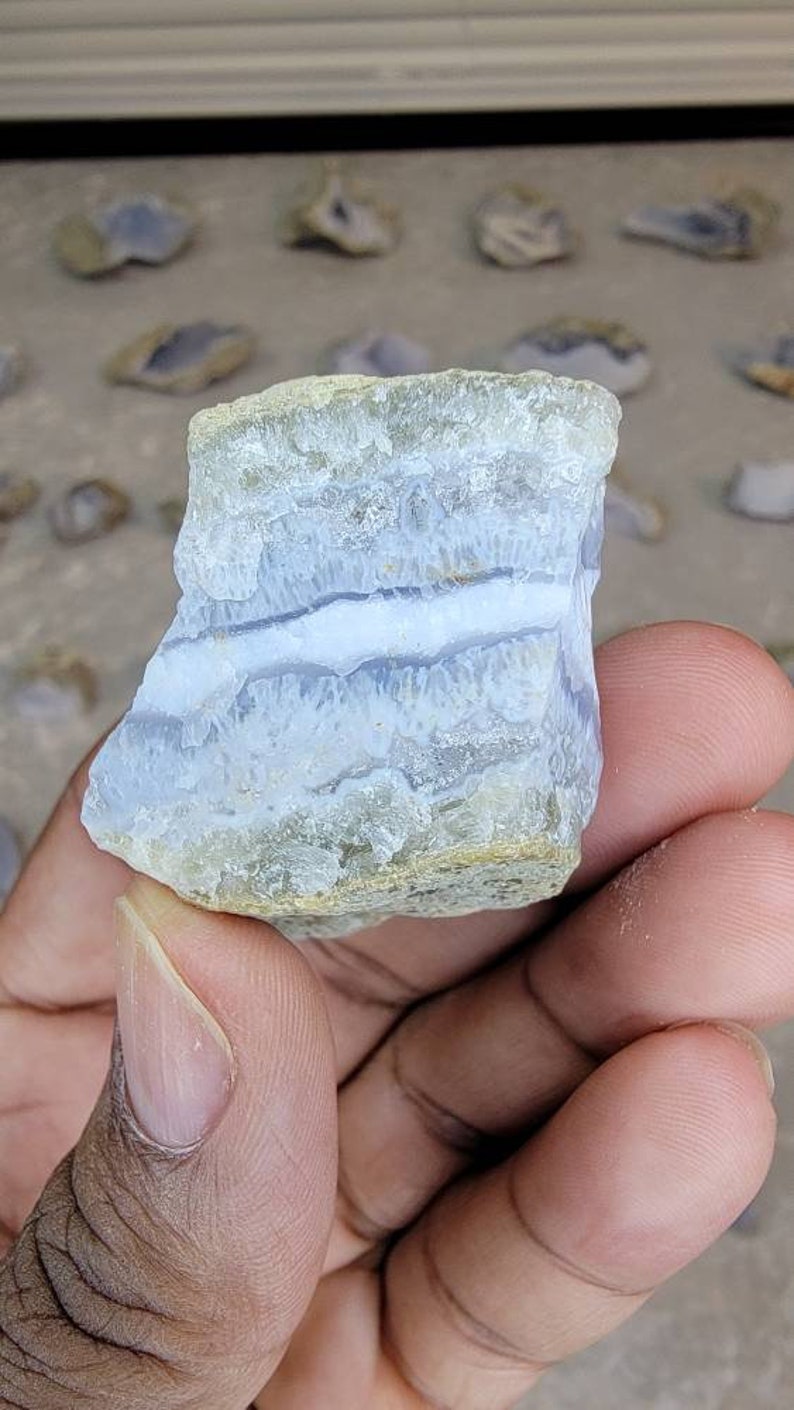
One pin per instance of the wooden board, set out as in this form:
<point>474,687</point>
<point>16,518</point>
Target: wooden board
<point>84,58</point>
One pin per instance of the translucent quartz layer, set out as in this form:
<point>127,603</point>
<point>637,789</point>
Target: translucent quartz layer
<point>377,695</point>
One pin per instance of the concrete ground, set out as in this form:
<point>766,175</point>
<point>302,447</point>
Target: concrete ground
<point>719,1337</point>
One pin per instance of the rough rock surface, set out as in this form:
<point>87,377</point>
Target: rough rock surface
<point>377,695</point>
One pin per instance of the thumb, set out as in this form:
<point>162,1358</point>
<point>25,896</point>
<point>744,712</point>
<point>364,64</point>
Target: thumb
<point>173,1252</point>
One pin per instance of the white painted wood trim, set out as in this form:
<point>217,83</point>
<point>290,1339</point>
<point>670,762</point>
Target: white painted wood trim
<point>140,58</point>
<point>108,14</point>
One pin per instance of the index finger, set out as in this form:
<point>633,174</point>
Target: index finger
<point>56,929</point>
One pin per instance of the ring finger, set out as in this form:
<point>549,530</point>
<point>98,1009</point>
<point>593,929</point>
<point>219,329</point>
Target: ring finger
<point>698,929</point>
<point>508,1273</point>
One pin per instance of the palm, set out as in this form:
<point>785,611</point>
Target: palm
<point>508,1244</point>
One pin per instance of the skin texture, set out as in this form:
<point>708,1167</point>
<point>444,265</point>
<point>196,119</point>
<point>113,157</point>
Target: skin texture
<point>542,1115</point>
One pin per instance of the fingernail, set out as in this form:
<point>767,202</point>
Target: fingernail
<point>753,1043</point>
<point>742,1035</point>
<point>177,1059</point>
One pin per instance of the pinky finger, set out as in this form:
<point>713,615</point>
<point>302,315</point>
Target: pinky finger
<point>512,1271</point>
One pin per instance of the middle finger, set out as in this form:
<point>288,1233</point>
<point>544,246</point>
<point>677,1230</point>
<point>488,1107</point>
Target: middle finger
<point>700,928</point>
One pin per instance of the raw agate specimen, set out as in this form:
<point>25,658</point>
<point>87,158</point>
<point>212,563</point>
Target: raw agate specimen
<point>147,229</point>
<point>378,355</point>
<point>516,226</point>
<point>182,357</point>
<point>768,364</point>
<point>608,353</point>
<point>634,515</point>
<point>762,489</point>
<point>736,226</point>
<point>54,685</point>
<point>88,510</point>
<point>377,695</point>
<point>342,215</point>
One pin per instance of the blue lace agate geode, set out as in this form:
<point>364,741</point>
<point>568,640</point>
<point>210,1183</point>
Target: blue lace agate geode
<point>377,695</point>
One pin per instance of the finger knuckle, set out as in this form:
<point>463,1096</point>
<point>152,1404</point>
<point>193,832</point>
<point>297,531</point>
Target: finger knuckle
<point>444,1125</point>
<point>478,1335</point>
<point>365,980</point>
<point>74,1322</point>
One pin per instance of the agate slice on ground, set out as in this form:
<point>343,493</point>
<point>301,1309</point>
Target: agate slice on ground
<point>768,364</point>
<point>762,489</point>
<point>631,514</point>
<point>146,229</point>
<point>377,695</point>
<point>603,352</point>
<point>88,510</point>
<point>182,357</point>
<point>377,355</point>
<point>342,215</point>
<point>736,226</point>
<point>54,685</point>
<point>516,226</point>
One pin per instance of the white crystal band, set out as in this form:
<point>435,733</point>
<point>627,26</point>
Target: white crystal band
<point>343,636</point>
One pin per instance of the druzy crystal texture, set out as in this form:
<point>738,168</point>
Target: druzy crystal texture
<point>377,695</point>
